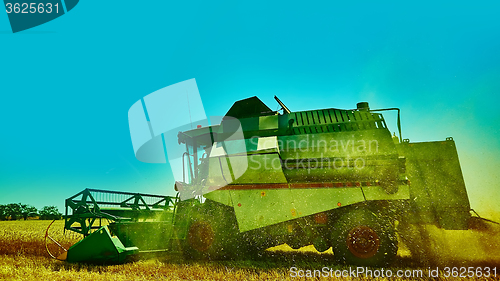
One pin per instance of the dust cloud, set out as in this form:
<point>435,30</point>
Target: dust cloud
<point>429,245</point>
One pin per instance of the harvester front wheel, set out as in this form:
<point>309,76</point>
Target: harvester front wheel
<point>212,234</point>
<point>202,241</point>
<point>362,238</point>
<point>200,236</point>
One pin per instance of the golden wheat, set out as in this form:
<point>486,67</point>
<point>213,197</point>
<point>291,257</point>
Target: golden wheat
<point>28,237</point>
<point>23,257</point>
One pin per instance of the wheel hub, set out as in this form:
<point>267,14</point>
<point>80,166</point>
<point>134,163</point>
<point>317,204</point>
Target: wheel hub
<point>363,242</point>
<point>200,236</point>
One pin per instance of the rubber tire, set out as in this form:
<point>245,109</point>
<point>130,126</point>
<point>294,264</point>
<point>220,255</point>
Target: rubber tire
<point>212,234</point>
<point>362,225</point>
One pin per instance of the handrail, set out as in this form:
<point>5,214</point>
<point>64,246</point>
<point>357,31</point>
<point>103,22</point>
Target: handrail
<point>399,117</point>
<point>183,167</point>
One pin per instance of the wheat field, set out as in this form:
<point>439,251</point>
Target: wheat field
<point>23,257</point>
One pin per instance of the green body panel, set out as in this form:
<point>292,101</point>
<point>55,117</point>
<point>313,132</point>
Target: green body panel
<point>134,214</point>
<point>379,193</point>
<point>260,126</point>
<point>221,196</point>
<point>254,209</point>
<point>100,246</point>
<point>264,207</point>
<point>438,191</point>
<point>260,207</point>
<point>355,144</point>
<point>146,236</point>
<point>260,168</point>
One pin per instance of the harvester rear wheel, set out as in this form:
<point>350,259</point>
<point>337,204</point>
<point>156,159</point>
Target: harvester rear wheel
<point>362,238</point>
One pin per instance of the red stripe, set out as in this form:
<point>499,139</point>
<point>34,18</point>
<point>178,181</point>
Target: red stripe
<point>292,185</point>
<point>255,186</point>
<point>311,185</point>
<point>212,188</point>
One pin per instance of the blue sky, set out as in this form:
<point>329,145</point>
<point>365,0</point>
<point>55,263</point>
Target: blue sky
<point>67,85</point>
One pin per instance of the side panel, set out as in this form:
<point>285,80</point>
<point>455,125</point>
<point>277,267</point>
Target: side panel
<point>144,235</point>
<point>378,193</point>
<point>257,208</point>
<point>437,186</point>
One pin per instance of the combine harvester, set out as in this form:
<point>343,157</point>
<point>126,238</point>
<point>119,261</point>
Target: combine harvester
<point>329,178</point>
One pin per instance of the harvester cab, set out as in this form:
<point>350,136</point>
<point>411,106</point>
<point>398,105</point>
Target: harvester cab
<point>329,178</point>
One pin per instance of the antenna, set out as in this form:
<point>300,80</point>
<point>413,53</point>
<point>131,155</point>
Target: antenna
<point>285,109</point>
